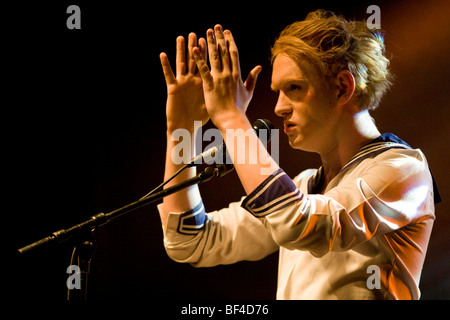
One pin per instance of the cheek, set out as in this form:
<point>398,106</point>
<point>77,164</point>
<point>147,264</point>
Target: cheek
<point>306,114</point>
<point>320,107</point>
<point>305,120</point>
<point>312,111</point>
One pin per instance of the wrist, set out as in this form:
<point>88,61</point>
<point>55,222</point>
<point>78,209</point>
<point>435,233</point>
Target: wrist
<point>232,119</point>
<point>171,128</point>
<point>191,126</point>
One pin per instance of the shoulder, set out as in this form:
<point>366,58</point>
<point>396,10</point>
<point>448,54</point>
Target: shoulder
<point>402,161</point>
<point>405,154</point>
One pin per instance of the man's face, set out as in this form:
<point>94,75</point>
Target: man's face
<point>307,107</point>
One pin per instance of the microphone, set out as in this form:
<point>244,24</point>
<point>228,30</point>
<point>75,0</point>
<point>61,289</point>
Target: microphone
<point>209,155</point>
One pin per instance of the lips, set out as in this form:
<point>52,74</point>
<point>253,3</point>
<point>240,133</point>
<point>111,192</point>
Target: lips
<point>288,126</point>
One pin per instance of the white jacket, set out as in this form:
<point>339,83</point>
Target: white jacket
<point>376,214</point>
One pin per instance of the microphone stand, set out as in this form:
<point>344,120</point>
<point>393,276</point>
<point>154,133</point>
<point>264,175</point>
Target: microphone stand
<point>82,233</point>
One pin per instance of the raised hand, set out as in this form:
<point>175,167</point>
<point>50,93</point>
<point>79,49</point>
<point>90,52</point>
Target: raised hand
<point>224,91</point>
<point>185,100</point>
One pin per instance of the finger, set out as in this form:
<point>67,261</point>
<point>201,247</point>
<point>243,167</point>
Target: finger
<point>214,58</point>
<point>167,70</point>
<point>250,82</point>
<point>233,53</point>
<point>202,46</point>
<point>203,69</point>
<point>181,56</point>
<point>222,47</point>
<point>192,42</point>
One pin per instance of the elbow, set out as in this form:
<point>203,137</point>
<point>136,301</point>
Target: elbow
<point>180,255</point>
<point>283,239</point>
<point>186,256</point>
<point>308,235</point>
<point>316,248</point>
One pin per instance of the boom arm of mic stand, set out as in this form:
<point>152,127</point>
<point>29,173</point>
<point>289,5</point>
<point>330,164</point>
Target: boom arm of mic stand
<point>103,218</point>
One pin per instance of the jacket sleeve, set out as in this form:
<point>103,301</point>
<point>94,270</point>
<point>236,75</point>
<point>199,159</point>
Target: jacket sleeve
<point>394,190</point>
<point>220,237</point>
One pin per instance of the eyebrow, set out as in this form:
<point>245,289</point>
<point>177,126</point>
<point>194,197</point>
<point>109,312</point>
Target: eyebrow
<point>287,81</point>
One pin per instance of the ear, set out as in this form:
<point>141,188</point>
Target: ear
<point>345,83</point>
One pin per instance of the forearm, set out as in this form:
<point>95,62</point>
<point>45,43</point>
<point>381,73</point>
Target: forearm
<point>251,160</point>
<point>226,99</point>
<point>185,199</point>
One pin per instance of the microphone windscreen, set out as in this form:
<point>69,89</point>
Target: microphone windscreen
<point>263,124</point>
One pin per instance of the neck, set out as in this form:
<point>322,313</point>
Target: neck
<point>355,131</point>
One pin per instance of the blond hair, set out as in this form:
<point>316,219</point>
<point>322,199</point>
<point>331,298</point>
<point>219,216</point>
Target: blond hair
<point>330,43</point>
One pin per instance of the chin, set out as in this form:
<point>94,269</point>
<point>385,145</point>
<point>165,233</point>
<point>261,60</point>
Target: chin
<point>295,142</point>
<point>299,143</point>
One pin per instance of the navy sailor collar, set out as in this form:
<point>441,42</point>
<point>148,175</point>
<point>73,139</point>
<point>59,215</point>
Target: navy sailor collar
<point>378,145</point>
<point>384,142</point>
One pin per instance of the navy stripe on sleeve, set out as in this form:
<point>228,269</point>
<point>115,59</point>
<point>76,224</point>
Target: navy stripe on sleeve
<point>274,193</point>
<point>192,221</point>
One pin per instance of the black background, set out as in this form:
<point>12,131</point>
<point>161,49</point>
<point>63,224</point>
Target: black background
<point>84,132</point>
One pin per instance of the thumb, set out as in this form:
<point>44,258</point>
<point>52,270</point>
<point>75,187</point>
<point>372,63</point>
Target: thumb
<point>250,82</point>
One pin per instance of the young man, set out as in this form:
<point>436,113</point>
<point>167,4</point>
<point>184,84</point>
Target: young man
<point>368,209</point>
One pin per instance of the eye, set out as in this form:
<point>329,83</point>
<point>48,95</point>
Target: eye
<point>295,87</point>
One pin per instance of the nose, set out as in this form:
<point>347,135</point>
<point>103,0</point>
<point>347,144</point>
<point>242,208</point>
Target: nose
<point>283,107</point>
